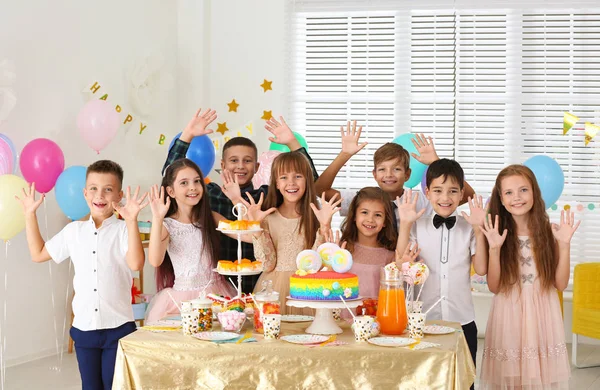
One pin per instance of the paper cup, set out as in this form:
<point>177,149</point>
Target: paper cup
<point>416,323</point>
<point>271,326</point>
<point>415,307</point>
<point>186,306</point>
<point>189,322</point>
<point>363,328</point>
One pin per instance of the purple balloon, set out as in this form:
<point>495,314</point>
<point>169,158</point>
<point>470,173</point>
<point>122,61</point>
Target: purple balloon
<point>42,161</point>
<point>424,180</point>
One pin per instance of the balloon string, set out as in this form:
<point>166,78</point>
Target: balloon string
<point>62,351</point>
<point>3,325</point>
<point>52,288</point>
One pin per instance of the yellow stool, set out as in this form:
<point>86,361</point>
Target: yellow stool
<point>586,306</point>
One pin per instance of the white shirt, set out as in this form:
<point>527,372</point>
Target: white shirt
<point>422,203</point>
<point>447,253</point>
<point>102,280</point>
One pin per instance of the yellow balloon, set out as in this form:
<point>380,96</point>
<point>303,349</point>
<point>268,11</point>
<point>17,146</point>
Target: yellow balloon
<point>12,219</point>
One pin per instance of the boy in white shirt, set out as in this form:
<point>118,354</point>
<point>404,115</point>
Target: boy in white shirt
<point>449,245</point>
<point>104,250</point>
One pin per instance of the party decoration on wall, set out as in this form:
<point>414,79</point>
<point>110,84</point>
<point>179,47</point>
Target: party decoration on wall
<point>8,155</point>
<point>8,99</point>
<point>233,106</point>
<point>42,161</point>
<point>590,132</point>
<point>550,177</point>
<point>417,168</point>
<point>249,128</point>
<point>201,151</point>
<point>263,175</point>
<point>266,85</point>
<point>216,143</point>
<point>267,115</point>
<point>98,123</point>
<point>161,139</point>
<point>69,192</point>
<point>222,128</point>
<point>12,219</point>
<point>569,121</point>
<point>147,82</point>
<point>285,149</point>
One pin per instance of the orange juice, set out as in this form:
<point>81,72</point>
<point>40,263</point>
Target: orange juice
<point>391,310</point>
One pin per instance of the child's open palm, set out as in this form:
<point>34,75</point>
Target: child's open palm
<point>255,212</point>
<point>350,138</point>
<point>328,208</point>
<point>336,240</point>
<point>410,254</point>
<point>230,186</point>
<point>477,213</point>
<point>490,229</point>
<point>197,126</point>
<point>157,201</point>
<point>564,232</point>
<point>407,207</point>
<point>29,203</point>
<point>133,205</point>
<point>426,149</point>
<point>282,134</point>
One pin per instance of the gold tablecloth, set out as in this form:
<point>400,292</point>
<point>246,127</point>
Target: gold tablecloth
<point>169,360</point>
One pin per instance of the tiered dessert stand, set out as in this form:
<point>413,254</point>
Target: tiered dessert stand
<point>324,322</point>
<point>239,210</point>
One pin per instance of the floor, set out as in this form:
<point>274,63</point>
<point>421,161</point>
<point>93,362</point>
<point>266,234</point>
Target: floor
<point>43,374</point>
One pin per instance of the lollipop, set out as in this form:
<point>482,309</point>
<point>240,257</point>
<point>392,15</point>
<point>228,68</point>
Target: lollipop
<point>415,273</point>
<point>391,271</point>
<point>308,260</point>
<point>342,261</point>
<point>326,251</point>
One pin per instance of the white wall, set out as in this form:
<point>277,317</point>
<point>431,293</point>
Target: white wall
<point>58,48</point>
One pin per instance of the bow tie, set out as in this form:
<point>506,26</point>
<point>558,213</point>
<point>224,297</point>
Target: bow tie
<point>449,222</point>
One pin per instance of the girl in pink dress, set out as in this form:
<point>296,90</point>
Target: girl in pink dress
<point>183,241</point>
<point>368,231</point>
<point>524,340</point>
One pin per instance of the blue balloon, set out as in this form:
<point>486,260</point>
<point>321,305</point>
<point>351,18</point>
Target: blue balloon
<point>69,192</point>
<point>201,151</point>
<point>550,177</point>
<point>417,168</point>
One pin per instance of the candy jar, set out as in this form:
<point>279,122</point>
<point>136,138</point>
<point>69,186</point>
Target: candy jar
<point>203,307</point>
<point>266,301</point>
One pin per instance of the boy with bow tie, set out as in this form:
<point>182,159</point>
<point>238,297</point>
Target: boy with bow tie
<point>449,244</point>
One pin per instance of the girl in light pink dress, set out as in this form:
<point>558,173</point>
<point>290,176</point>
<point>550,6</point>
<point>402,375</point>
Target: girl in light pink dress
<point>529,261</point>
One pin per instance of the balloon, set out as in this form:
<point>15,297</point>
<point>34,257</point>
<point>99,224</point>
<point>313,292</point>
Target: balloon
<point>98,122</point>
<point>285,149</point>
<point>550,177</point>
<point>8,155</point>
<point>12,219</point>
<point>416,168</point>
<point>69,192</point>
<point>424,180</point>
<point>263,175</point>
<point>201,151</point>
<point>42,161</point>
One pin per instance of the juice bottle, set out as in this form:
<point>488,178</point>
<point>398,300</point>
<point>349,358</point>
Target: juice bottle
<point>391,308</point>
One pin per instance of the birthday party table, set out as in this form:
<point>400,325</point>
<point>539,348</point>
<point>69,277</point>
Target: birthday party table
<point>170,360</point>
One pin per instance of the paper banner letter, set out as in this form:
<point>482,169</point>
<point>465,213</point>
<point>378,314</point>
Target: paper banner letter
<point>249,128</point>
<point>142,127</point>
<point>569,121</point>
<point>129,118</point>
<point>104,97</point>
<point>118,108</point>
<point>95,87</point>
<point>161,139</point>
<point>590,132</point>
<point>216,143</point>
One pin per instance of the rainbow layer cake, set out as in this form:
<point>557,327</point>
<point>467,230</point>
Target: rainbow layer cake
<point>324,286</point>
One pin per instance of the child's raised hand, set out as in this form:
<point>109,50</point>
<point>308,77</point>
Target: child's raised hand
<point>350,138</point>
<point>197,126</point>
<point>282,134</point>
<point>477,212</point>
<point>490,229</point>
<point>410,254</point>
<point>255,212</point>
<point>407,207</point>
<point>230,186</point>
<point>426,149</point>
<point>336,240</point>
<point>157,201</point>
<point>328,208</point>
<point>133,205</point>
<point>564,232</point>
<point>29,203</point>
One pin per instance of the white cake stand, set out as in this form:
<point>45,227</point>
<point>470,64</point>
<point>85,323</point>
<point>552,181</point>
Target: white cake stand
<point>324,322</point>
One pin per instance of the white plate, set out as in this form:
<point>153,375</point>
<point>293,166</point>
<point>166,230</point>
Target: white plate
<point>232,273</point>
<point>215,336</point>
<point>239,231</point>
<point>391,341</point>
<point>438,329</point>
<point>305,338</point>
<point>296,318</point>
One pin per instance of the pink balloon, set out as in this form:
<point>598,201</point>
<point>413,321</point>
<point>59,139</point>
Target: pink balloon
<point>98,123</point>
<point>263,176</point>
<point>42,161</point>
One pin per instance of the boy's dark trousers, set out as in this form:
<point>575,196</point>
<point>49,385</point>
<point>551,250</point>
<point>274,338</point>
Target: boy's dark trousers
<point>96,354</point>
<point>470,331</point>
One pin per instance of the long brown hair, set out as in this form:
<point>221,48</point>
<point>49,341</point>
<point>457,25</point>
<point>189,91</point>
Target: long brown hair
<point>540,230</point>
<point>295,162</point>
<point>201,218</point>
<point>387,236</point>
